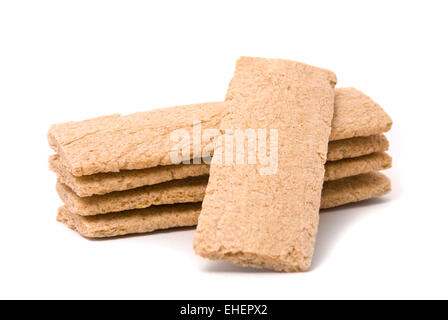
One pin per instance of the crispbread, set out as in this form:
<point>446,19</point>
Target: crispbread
<point>270,221</point>
<point>102,183</point>
<point>136,141</point>
<point>356,115</point>
<point>356,147</point>
<point>334,193</point>
<point>142,140</point>
<point>166,193</point>
<point>176,191</point>
<point>350,167</point>
<point>353,189</point>
<point>134,221</point>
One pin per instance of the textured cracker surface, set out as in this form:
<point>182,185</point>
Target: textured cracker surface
<point>178,215</point>
<point>135,221</point>
<point>271,221</point>
<point>136,141</point>
<point>353,189</point>
<point>102,183</point>
<point>176,191</point>
<point>193,189</point>
<point>356,147</point>
<point>356,115</point>
<point>141,140</point>
<point>350,167</point>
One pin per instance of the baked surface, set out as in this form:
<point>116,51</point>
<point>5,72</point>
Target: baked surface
<point>135,141</point>
<point>357,115</point>
<point>353,189</point>
<point>134,221</point>
<point>356,147</point>
<point>102,183</point>
<point>334,193</point>
<point>271,221</point>
<point>193,189</point>
<point>142,140</point>
<point>176,191</point>
<point>377,161</point>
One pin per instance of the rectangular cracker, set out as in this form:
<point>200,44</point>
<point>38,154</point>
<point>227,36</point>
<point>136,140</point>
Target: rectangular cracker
<point>334,193</point>
<point>353,189</point>
<point>141,140</point>
<point>270,221</point>
<point>357,115</point>
<point>102,183</point>
<point>134,221</point>
<point>136,141</point>
<point>356,147</point>
<point>180,191</point>
<point>377,161</point>
<point>176,191</point>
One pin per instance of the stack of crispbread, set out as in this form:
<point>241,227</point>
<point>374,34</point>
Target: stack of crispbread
<point>267,217</point>
<point>116,177</point>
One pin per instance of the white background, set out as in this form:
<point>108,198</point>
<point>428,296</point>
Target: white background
<point>72,60</point>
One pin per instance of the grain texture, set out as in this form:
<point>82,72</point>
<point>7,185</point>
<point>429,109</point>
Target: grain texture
<point>334,193</point>
<point>134,221</point>
<point>270,221</point>
<point>356,147</point>
<point>142,140</point>
<point>377,161</point>
<point>103,183</point>
<point>354,189</point>
<point>193,189</point>
<point>176,191</point>
<point>357,115</point>
<point>136,141</point>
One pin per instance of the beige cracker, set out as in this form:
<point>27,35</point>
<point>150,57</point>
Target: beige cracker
<point>136,141</point>
<point>193,189</point>
<point>356,147</point>
<point>350,167</point>
<point>102,183</point>
<point>142,140</point>
<point>271,220</point>
<point>176,191</point>
<point>133,221</point>
<point>334,193</point>
<point>357,115</point>
<point>353,189</point>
